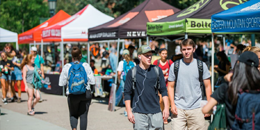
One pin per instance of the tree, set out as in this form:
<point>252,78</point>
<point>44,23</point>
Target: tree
<point>22,15</point>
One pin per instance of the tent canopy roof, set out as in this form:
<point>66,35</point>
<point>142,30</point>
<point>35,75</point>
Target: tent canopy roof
<point>76,27</point>
<point>238,20</point>
<point>133,23</point>
<point>34,34</point>
<point>192,20</point>
<point>7,36</point>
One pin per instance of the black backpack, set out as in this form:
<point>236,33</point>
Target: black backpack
<point>200,68</point>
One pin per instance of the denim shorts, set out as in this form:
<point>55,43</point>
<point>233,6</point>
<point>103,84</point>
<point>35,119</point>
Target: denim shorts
<point>6,77</point>
<point>16,74</point>
<point>122,84</point>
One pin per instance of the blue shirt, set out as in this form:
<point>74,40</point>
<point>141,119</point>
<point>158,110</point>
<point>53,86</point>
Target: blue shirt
<point>113,61</point>
<point>38,61</point>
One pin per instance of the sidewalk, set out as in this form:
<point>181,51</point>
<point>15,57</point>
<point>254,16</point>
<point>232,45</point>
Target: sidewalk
<point>53,114</point>
<point>10,120</point>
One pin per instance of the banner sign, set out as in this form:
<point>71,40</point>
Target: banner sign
<point>112,98</point>
<point>198,25</point>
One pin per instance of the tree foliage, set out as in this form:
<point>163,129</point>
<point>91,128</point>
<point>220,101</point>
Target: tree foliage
<point>21,15</point>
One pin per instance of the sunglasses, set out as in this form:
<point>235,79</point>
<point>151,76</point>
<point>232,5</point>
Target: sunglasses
<point>148,56</point>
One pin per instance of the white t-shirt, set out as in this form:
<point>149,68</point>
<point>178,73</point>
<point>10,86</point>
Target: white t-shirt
<point>121,67</point>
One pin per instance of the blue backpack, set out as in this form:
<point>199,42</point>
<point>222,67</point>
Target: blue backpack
<point>247,115</point>
<point>127,67</point>
<point>37,79</point>
<point>77,80</point>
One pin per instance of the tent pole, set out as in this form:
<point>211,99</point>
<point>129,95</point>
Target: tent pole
<point>140,42</point>
<point>108,45</point>
<point>186,35</point>
<point>212,62</point>
<point>252,39</point>
<point>17,46</point>
<point>62,61</point>
<point>224,42</point>
<point>29,48</point>
<point>118,43</point>
<point>34,43</point>
<point>89,53</point>
<point>147,40</point>
<point>41,48</point>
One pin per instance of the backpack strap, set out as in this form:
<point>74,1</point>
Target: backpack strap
<point>176,71</point>
<point>200,69</point>
<point>169,63</point>
<point>158,62</point>
<point>133,77</point>
<point>156,68</point>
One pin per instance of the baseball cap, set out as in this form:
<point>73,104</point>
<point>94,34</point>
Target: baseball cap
<point>125,52</point>
<point>144,49</point>
<point>34,48</point>
<point>249,58</point>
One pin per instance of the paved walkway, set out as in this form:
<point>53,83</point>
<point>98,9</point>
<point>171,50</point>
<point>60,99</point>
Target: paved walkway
<point>53,114</point>
<point>10,120</point>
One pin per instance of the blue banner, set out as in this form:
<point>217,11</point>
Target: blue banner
<point>241,18</point>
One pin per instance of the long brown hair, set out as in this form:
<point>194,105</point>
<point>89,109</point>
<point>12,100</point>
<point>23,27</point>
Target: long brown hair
<point>26,60</point>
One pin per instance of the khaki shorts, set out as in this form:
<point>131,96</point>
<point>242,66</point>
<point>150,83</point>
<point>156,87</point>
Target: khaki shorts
<point>30,85</point>
<point>189,120</point>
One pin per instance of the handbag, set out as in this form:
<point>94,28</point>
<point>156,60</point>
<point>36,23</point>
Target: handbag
<point>219,119</point>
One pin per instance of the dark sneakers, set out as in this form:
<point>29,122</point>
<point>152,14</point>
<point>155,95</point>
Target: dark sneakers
<point>19,100</point>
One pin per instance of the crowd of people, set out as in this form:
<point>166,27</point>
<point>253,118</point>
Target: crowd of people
<point>17,66</point>
<point>153,84</point>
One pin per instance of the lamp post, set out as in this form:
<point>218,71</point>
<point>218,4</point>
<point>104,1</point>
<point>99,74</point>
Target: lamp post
<point>52,6</point>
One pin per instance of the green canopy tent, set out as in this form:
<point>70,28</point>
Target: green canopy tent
<point>194,20</point>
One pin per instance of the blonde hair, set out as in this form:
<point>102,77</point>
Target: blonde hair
<point>252,49</point>
<point>26,60</point>
<point>127,58</point>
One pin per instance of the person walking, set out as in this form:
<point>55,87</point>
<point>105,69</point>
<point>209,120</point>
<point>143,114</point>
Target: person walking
<point>6,67</point>
<point>186,96</point>
<point>141,92</point>
<point>123,67</point>
<point>39,61</point>
<point>78,76</point>
<point>16,76</point>
<point>246,77</point>
<point>165,65</point>
<point>28,72</point>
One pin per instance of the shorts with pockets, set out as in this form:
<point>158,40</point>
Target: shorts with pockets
<point>6,77</point>
<point>16,74</point>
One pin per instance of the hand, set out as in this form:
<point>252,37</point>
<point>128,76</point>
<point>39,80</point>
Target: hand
<point>228,77</point>
<point>207,115</point>
<point>165,114</point>
<point>131,117</point>
<point>174,110</point>
<point>43,76</point>
<point>26,88</point>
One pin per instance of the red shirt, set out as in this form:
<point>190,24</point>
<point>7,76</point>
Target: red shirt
<point>164,68</point>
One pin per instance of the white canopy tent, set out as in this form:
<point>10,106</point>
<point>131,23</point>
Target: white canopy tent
<point>8,36</point>
<point>75,28</point>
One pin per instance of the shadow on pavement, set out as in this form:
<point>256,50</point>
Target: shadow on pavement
<point>3,114</point>
<point>39,112</point>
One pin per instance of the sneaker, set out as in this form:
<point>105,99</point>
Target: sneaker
<point>15,97</point>
<point>12,99</point>
<point>19,100</point>
<point>5,101</point>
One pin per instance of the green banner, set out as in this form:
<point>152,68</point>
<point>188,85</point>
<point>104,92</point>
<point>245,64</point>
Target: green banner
<point>194,25</point>
<point>166,28</point>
